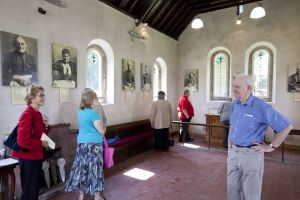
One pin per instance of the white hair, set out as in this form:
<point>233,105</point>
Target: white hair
<point>247,79</point>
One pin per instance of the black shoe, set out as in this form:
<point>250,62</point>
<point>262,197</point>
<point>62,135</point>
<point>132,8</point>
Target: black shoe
<point>189,140</point>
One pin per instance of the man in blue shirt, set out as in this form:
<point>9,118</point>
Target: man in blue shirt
<point>249,121</point>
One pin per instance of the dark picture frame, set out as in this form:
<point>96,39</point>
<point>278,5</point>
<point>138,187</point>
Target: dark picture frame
<point>146,77</point>
<point>191,80</point>
<point>64,66</point>
<point>128,74</point>
<point>18,60</point>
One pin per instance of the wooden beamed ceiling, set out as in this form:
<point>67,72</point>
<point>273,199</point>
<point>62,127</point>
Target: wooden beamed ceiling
<point>170,17</point>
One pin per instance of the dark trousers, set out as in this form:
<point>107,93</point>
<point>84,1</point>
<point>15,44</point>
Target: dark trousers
<point>31,175</point>
<point>162,139</point>
<point>184,130</point>
<point>225,132</point>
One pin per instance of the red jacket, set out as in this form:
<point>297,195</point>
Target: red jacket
<point>184,103</point>
<point>30,130</point>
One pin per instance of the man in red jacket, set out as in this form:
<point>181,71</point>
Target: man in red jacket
<point>185,113</point>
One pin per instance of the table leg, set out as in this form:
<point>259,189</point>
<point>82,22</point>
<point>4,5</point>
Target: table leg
<point>13,183</point>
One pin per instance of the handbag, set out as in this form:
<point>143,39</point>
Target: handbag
<point>171,141</point>
<point>11,141</point>
<point>108,154</point>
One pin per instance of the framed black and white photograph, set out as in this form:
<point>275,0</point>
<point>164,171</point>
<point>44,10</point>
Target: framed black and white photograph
<point>191,80</point>
<point>18,60</point>
<point>128,75</point>
<point>294,78</point>
<point>64,66</point>
<point>146,77</point>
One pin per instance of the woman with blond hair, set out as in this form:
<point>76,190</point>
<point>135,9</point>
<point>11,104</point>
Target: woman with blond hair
<point>86,175</point>
<point>32,124</point>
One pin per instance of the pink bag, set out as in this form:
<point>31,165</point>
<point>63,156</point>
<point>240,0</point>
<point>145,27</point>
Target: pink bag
<point>108,155</point>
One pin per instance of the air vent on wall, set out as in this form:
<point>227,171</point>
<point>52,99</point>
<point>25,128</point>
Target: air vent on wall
<point>58,3</point>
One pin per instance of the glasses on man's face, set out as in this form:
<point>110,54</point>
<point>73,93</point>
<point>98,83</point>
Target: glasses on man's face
<point>41,95</point>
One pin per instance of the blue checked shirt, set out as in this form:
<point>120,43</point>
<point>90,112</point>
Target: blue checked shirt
<point>249,121</point>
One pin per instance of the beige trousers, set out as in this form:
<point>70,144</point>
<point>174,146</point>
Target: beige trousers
<point>245,169</point>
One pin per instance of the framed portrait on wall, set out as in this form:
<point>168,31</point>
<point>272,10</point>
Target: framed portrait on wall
<point>294,78</point>
<point>146,77</point>
<point>64,66</point>
<point>18,60</point>
<point>191,80</point>
<point>128,75</point>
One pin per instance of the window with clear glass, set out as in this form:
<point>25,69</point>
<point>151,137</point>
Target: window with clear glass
<point>219,75</point>
<point>156,80</point>
<point>261,69</point>
<point>95,76</point>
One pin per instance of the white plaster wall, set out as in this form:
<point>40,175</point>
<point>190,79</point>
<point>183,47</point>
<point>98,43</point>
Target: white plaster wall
<point>280,27</point>
<point>76,25</point>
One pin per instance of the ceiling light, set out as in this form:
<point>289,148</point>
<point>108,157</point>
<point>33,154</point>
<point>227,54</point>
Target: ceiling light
<point>258,12</point>
<point>197,23</point>
<point>238,21</point>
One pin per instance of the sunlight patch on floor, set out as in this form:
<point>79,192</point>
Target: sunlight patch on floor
<point>139,174</point>
<point>193,146</point>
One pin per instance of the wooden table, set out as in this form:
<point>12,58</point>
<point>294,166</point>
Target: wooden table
<point>214,134</point>
<point>7,167</point>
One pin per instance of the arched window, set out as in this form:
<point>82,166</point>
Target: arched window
<point>156,80</point>
<point>96,72</point>
<point>261,69</point>
<point>219,75</point>
<point>159,77</point>
<point>100,70</point>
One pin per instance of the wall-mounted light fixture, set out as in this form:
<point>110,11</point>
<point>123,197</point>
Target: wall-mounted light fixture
<point>135,34</point>
<point>197,23</point>
<point>239,13</point>
<point>258,12</point>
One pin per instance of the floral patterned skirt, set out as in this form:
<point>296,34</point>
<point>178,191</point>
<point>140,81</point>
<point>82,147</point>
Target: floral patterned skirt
<point>87,171</point>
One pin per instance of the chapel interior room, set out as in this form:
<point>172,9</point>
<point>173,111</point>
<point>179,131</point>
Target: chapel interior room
<point>129,50</point>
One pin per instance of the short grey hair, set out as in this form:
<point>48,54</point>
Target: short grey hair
<point>31,92</point>
<point>186,91</point>
<point>247,79</point>
<point>161,95</point>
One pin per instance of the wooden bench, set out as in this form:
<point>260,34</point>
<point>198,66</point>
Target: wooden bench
<point>135,138</point>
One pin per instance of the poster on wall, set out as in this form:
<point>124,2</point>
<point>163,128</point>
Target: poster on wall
<point>128,75</point>
<point>64,66</point>
<point>64,95</point>
<point>191,80</point>
<point>294,78</point>
<point>18,60</point>
<point>17,95</point>
<point>146,78</point>
<point>297,96</point>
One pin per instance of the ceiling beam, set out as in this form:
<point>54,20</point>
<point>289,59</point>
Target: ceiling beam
<point>185,5</point>
<point>164,19</point>
<point>179,12</point>
<point>186,22</point>
<point>185,19</point>
<point>151,6</point>
<point>154,10</point>
<point>131,7</point>
<point>162,11</point>
<point>222,5</point>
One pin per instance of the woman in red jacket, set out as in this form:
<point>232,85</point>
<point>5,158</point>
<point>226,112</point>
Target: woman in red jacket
<point>32,124</point>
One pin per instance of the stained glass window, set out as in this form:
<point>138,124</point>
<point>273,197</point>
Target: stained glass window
<point>220,66</point>
<point>94,75</point>
<point>261,69</point>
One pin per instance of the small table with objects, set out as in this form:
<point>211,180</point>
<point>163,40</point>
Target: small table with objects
<point>7,166</point>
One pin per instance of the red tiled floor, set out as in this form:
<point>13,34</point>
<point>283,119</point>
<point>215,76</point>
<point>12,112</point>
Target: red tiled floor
<point>194,174</point>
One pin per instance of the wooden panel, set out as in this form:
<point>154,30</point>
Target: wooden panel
<point>216,136</point>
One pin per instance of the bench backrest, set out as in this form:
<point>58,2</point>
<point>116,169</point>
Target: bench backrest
<point>127,129</point>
